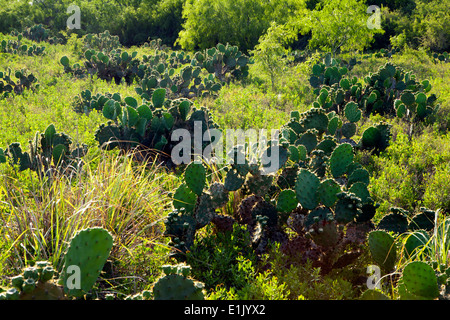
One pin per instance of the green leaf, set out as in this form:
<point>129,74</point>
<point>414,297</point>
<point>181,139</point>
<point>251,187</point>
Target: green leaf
<point>158,97</point>
<point>131,102</point>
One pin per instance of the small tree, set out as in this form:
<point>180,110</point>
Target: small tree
<point>271,56</point>
<point>339,25</point>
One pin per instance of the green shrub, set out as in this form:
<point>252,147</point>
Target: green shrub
<point>240,22</point>
<point>215,258</point>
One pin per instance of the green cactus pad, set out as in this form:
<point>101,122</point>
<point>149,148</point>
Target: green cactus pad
<point>348,129</point>
<point>158,97</point>
<point>347,208</point>
<point>352,112</point>
<point>64,61</point>
<point>306,189</point>
<point>315,118</point>
<point>287,201</point>
<point>395,222</point>
<point>423,220</point>
<point>177,287</point>
<point>233,181</point>
<point>408,98</point>
<point>328,191</point>
<point>44,291</point>
<point>361,191</point>
<point>333,125</point>
<point>371,294</point>
<point>359,175</point>
<point>308,139</point>
<point>420,279</point>
<point>88,250</point>
<point>383,250</point>
<point>185,198</point>
<point>195,177</point>
<point>341,158</point>
<point>416,241</point>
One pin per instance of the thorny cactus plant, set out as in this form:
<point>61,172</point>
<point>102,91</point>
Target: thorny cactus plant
<point>401,252</point>
<point>50,153</point>
<point>37,33</point>
<point>24,81</point>
<point>147,128</point>
<point>390,91</point>
<point>175,284</point>
<point>223,60</point>
<point>84,259</point>
<point>318,191</point>
<point>114,65</point>
<point>17,47</point>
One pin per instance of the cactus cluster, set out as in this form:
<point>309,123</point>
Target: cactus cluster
<point>181,74</point>
<point>37,33</point>
<point>441,57</point>
<point>17,47</point>
<point>187,83</point>
<point>390,91</point>
<point>50,152</point>
<point>159,70</point>
<point>148,126</point>
<point>330,71</point>
<point>86,101</point>
<point>389,247</point>
<point>318,190</point>
<point>175,284</point>
<point>102,42</point>
<point>88,250</point>
<point>113,65</point>
<point>222,60</point>
<point>24,81</point>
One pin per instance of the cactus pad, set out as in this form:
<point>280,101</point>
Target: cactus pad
<point>352,112</point>
<point>420,279</point>
<point>176,285</point>
<point>89,249</point>
<point>328,191</point>
<point>287,201</point>
<point>195,177</point>
<point>306,188</point>
<point>395,222</point>
<point>340,159</point>
<point>185,198</point>
<point>383,250</point>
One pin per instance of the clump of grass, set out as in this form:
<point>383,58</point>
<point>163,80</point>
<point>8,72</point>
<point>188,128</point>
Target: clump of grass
<point>127,199</point>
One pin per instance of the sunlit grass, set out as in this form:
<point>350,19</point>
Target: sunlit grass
<point>129,200</point>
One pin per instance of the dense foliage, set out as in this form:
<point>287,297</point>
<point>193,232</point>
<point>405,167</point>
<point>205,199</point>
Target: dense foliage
<point>100,127</point>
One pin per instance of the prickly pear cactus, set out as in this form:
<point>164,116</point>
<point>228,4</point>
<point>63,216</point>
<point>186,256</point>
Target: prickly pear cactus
<point>306,188</point>
<point>50,152</point>
<point>340,159</point>
<point>195,177</point>
<point>35,283</point>
<point>383,249</point>
<point>87,252</point>
<point>420,279</point>
<point>176,285</point>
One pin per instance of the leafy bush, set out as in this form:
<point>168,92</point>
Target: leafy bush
<point>240,22</point>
